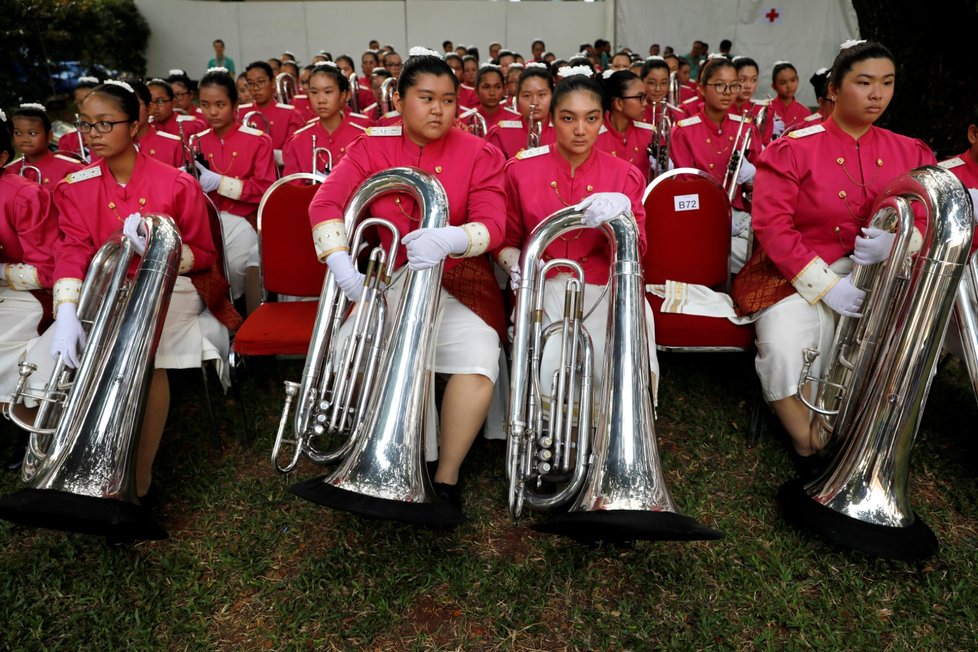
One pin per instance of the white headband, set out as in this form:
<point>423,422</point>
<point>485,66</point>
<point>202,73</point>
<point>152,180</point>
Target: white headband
<point>218,69</point>
<point>488,65</point>
<point>33,105</point>
<point>536,64</point>
<point>655,57</point>
<point>116,82</point>
<point>3,116</point>
<point>418,51</point>
<point>778,63</point>
<point>850,43</point>
<point>88,80</point>
<point>822,71</point>
<point>570,71</point>
<point>326,64</point>
<point>175,71</point>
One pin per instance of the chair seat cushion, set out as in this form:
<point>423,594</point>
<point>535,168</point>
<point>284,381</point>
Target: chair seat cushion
<point>277,329</point>
<point>694,331</point>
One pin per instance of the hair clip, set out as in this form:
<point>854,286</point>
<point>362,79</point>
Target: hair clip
<point>176,72</point>
<point>3,116</point>
<point>116,82</point>
<point>418,51</point>
<point>851,43</point>
<point>490,66</point>
<point>608,73</point>
<point>33,105</point>
<point>88,80</point>
<point>536,64</point>
<point>570,71</point>
<point>822,71</point>
<point>218,69</point>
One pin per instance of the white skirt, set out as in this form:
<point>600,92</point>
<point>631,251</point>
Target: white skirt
<point>20,314</point>
<point>240,250</point>
<point>739,240</point>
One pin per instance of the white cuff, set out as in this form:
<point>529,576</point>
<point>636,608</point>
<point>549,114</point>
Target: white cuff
<point>22,276</point>
<point>186,260</point>
<point>330,237</point>
<point>508,258</point>
<point>230,187</point>
<point>815,280</point>
<point>478,236</point>
<point>66,290</point>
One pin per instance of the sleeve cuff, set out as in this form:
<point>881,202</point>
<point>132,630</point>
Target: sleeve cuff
<point>508,257</point>
<point>186,259</point>
<point>478,236</point>
<point>815,280</point>
<point>230,187</point>
<point>21,276</point>
<point>329,237</point>
<point>66,290</point>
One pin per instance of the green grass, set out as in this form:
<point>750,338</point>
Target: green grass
<point>249,566</point>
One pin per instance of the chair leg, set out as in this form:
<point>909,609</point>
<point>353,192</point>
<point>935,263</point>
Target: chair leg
<point>215,434</point>
<point>236,393</point>
<point>759,416</point>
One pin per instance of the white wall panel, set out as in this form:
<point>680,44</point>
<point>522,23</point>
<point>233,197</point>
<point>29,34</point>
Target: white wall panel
<point>471,22</point>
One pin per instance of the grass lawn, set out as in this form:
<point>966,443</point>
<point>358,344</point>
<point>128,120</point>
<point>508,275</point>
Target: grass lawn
<point>249,566</point>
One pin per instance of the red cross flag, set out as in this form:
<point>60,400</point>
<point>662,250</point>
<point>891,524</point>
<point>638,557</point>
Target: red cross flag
<point>771,16</point>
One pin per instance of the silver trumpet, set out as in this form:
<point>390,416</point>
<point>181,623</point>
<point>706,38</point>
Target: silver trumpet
<point>611,468</point>
<point>474,122</point>
<point>286,87</point>
<point>384,474</point>
<point>534,130</point>
<point>672,95</point>
<point>871,396</point>
<point>81,144</point>
<point>33,169</point>
<point>661,139</point>
<point>354,93</point>
<point>316,152</point>
<point>81,455</point>
<point>741,145</point>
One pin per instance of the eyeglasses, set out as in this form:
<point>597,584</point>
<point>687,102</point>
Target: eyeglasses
<point>722,88</point>
<point>641,97</point>
<point>394,66</point>
<point>259,84</point>
<point>160,101</point>
<point>102,126</point>
<point>178,94</point>
<point>661,84</point>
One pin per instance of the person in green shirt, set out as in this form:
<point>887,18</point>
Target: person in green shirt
<point>219,59</point>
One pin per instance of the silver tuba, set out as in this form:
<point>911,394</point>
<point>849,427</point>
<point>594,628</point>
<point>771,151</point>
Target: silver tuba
<point>316,153</point>
<point>382,472</point>
<point>286,87</point>
<point>618,484</point>
<point>875,386</point>
<point>966,317</point>
<point>354,93</point>
<point>661,139</point>
<point>81,455</point>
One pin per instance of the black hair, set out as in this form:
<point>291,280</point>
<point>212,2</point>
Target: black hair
<point>348,59</point>
<point>574,84</point>
<point>472,52</point>
<point>390,54</point>
<point>216,41</point>
<point>744,62</point>
<point>162,83</point>
<point>654,64</point>
<point>712,65</point>
<point>6,141</point>
<point>224,80</point>
<point>616,85</point>
<point>622,53</point>
<point>489,70</point>
<point>540,41</point>
<point>581,61</point>
<point>324,68</point>
<point>292,63</point>
<point>381,72</point>
<point>467,58</point>
<point>847,58</point>
<point>452,55</point>
<point>556,65</point>
<point>141,90</point>
<point>680,61</point>
<point>35,113</point>
<point>275,59</point>
<point>260,65</point>
<point>670,55</point>
<point>600,43</point>
<point>444,43</point>
<point>535,71</point>
<point>125,101</point>
<point>372,54</point>
<point>779,67</point>
<point>725,44</point>
<point>425,64</point>
<point>182,78</point>
<point>820,84</point>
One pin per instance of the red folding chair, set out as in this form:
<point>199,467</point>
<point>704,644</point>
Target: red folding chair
<point>687,224</point>
<point>288,267</point>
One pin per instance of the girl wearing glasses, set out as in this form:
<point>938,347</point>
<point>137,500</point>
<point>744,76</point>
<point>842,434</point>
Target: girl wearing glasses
<point>623,134</point>
<point>329,90</point>
<point>533,92</point>
<point>467,344</point>
<point>95,203</point>
<point>32,130</point>
<point>184,90</point>
<point>159,145</point>
<point>283,120</point>
<point>815,191</point>
<point>705,141</point>
<point>238,169</point>
<point>164,118</point>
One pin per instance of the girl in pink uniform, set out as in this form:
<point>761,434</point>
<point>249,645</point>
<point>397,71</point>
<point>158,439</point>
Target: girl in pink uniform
<point>534,90</point>
<point>470,170</point>
<point>815,191</point>
<point>785,109</point>
<point>491,93</point>
<point>159,145</point>
<point>283,119</point>
<point>32,131</point>
<point>624,135</point>
<point>164,118</point>
<point>329,90</point>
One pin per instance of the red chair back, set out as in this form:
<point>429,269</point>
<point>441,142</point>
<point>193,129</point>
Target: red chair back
<point>687,225</point>
<point>288,255</point>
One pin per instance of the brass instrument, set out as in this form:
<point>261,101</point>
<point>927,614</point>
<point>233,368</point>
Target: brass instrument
<point>25,168</point>
<point>189,156</point>
<point>658,153</point>
<point>80,460</point>
<point>316,151</point>
<point>534,130</point>
<point>354,93</point>
<point>249,121</point>
<point>382,471</point>
<point>387,89</point>
<point>763,114</point>
<point>672,95</point>
<point>474,123</point>
<point>611,469</point>
<point>873,391</point>
<point>81,144</point>
<point>966,317</point>
<point>741,145</point>
<point>286,87</point>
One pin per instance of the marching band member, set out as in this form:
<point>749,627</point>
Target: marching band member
<point>513,78</point>
<point>747,72</point>
<point>275,64</point>
<point>470,170</point>
<point>304,76</point>
<point>489,86</point>
<point>705,141</point>
<point>573,171</point>
<point>655,76</point>
<point>110,195</point>
<point>368,61</point>
<point>164,118</point>
<point>621,61</point>
<point>83,87</point>
<point>534,90</point>
<point>786,110</point>
<point>184,90</point>
<point>375,111</point>
<point>283,119</point>
<point>28,232</point>
<point>816,188</point>
<point>820,84</point>
<point>32,130</point>
<point>329,90</point>
<point>244,93</point>
<point>239,170</point>
<point>158,145</point>
<point>393,64</point>
<point>623,134</point>
<point>470,70</point>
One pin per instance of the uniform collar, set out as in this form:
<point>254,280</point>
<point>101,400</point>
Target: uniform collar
<point>867,138</point>
<point>434,148</point>
<point>564,166</point>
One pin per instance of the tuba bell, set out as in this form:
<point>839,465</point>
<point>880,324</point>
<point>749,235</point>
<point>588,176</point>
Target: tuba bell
<point>81,454</point>
<point>612,471</point>
<point>873,391</point>
<point>382,472</point>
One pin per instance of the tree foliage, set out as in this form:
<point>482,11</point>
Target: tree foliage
<point>38,34</point>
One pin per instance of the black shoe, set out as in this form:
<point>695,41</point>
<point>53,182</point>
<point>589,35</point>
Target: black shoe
<point>808,467</point>
<point>16,458</point>
<point>151,500</point>
<point>449,493</point>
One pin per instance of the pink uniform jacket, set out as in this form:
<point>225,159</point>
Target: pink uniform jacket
<point>283,120</point>
<point>298,149</point>
<point>163,147</point>
<point>502,113</point>
<point>631,146</point>
<point>302,105</point>
<point>191,124</point>
<point>53,167</point>
<point>510,136</point>
<point>93,206</point>
<point>539,183</point>
<point>28,225</point>
<point>244,154</point>
<point>815,188</point>
<point>470,170</point>
<point>788,114</point>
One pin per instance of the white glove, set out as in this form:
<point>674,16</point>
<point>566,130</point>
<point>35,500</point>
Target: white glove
<point>3,273</point>
<point>747,172</point>
<point>974,202</point>
<point>209,181</point>
<point>134,229</point>
<point>347,277</point>
<point>845,298</point>
<point>428,247</point>
<point>69,336</point>
<point>603,206</point>
<point>515,277</point>
<point>873,246</point>
<point>279,158</point>
<point>778,126</point>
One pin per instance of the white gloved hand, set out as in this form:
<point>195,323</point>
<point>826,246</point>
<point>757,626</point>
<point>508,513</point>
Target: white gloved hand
<point>134,229</point>
<point>279,158</point>
<point>845,298</point>
<point>515,277</point>
<point>3,273</point>
<point>747,172</point>
<point>428,247</point>
<point>209,181</point>
<point>778,126</point>
<point>603,206</point>
<point>69,336</point>
<point>873,246</point>
<point>346,275</point>
<point>974,201</point>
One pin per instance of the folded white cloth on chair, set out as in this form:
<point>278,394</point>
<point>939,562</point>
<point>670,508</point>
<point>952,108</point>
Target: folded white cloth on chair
<point>692,299</point>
